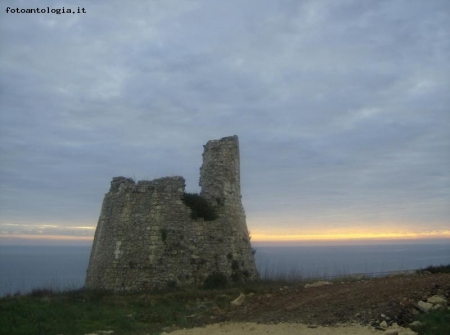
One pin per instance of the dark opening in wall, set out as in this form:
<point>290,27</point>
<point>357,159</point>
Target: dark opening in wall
<point>199,207</point>
<point>164,235</point>
<point>172,284</point>
<point>215,280</point>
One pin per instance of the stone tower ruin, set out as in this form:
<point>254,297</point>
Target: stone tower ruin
<point>146,237</point>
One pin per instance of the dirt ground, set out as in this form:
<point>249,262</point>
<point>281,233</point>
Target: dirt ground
<point>279,329</point>
<point>361,301</point>
<point>358,305</point>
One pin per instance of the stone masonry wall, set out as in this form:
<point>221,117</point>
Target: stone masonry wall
<point>146,239</point>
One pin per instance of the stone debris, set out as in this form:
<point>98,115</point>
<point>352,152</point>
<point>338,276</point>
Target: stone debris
<point>436,307</point>
<point>411,310</point>
<point>383,325</point>
<point>318,284</point>
<point>437,300</point>
<point>238,301</point>
<point>425,306</point>
<point>416,325</point>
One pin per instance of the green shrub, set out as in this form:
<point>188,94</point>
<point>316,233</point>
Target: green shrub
<point>96,295</point>
<point>435,322</point>
<point>216,280</point>
<point>199,207</point>
<point>437,269</point>
<point>42,292</point>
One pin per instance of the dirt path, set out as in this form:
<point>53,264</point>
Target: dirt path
<point>360,302</point>
<point>355,307</point>
<point>280,329</point>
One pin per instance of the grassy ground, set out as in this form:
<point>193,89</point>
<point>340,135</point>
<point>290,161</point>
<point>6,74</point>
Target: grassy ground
<point>82,311</point>
<point>436,323</point>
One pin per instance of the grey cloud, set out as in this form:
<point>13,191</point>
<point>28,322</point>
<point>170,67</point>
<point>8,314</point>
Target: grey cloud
<point>341,107</point>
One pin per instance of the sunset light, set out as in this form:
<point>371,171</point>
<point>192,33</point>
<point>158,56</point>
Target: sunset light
<point>349,236</point>
<point>85,234</point>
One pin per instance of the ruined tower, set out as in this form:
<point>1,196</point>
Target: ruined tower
<point>146,237</point>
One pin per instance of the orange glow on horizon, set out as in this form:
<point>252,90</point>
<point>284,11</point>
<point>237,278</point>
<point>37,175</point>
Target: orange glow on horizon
<point>261,237</point>
<point>48,237</point>
<point>355,236</point>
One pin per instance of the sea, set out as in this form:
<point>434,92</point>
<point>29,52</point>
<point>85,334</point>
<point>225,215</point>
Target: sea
<point>24,268</point>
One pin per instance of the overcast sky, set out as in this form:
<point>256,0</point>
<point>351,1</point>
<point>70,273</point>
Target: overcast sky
<point>342,109</point>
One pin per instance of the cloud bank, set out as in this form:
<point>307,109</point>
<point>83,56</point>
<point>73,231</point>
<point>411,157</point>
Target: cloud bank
<point>342,109</point>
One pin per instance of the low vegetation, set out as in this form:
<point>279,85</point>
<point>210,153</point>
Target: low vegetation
<point>436,269</point>
<point>85,311</point>
<point>435,323</point>
<point>81,311</point>
<point>45,311</point>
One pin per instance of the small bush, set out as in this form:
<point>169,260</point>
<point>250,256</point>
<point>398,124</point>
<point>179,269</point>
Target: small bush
<point>96,295</point>
<point>437,269</point>
<point>41,292</point>
<point>216,280</point>
<point>199,207</point>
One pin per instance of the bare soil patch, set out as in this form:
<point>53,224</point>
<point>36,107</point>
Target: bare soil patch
<point>279,329</point>
<point>360,302</point>
<point>348,307</point>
